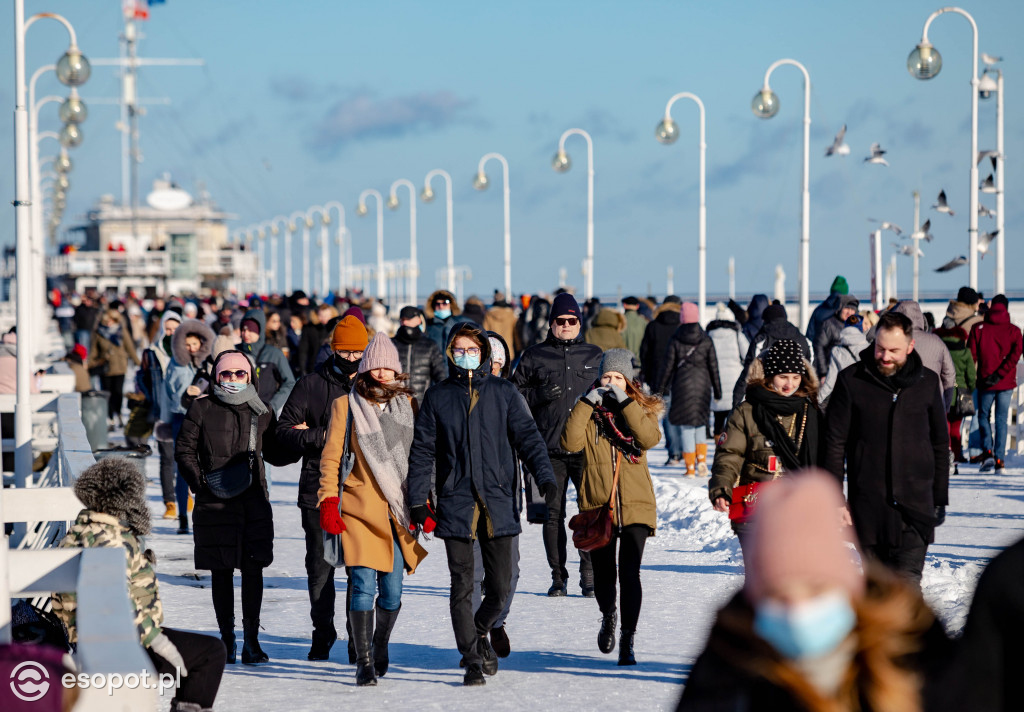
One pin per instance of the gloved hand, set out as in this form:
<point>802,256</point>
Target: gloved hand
<point>596,395</point>
<point>163,647</point>
<point>423,517</point>
<point>549,490</point>
<point>330,518</point>
<point>618,394</point>
<point>940,514</point>
<point>549,391</point>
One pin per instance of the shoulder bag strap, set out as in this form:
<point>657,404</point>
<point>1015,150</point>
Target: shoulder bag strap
<point>254,422</point>
<point>615,480</point>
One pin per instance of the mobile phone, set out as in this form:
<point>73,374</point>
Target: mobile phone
<point>202,384</point>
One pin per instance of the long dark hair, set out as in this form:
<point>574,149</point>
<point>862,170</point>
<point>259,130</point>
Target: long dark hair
<point>369,388</point>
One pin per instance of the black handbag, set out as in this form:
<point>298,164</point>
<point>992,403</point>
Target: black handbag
<point>963,403</point>
<point>230,481</point>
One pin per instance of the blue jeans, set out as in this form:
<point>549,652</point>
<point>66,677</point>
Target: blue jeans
<point>691,435</point>
<point>673,433</point>
<point>366,582</point>
<point>83,336</point>
<point>1001,400</point>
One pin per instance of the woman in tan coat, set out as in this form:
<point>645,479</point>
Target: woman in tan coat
<point>373,514</point>
<point>614,425</point>
<point>111,347</point>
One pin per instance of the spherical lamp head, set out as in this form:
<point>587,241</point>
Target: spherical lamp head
<point>667,131</point>
<point>73,68</point>
<point>73,110</point>
<point>481,181</point>
<point>62,182</point>
<point>70,136</point>
<point>765,104</point>
<point>361,209</point>
<point>62,163</point>
<point>275,230</point>
<point>392,202</point>
<point>561,162</point>
<point>309,222</point>
<point>924,62</point>
<point>427,196</point>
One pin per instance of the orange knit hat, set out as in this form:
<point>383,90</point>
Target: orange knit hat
<point>349,335</point>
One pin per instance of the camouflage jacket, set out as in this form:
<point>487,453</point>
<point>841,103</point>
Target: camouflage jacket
<point>94,529</point>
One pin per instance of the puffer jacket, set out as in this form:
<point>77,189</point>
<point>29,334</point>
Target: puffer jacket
<point>772,331</point>
<point>182,369</point>
<point>532,326</point>
<point>846,353</point>
<point>929,347</point>
<point>275,375</point>
<point>466,431</point>
<point>822,313</point>
<point>731,346</point>
<point>691,376</point>
<point>955,339</point>
<point>657,337</point>
<point>607,330</point>
<point>996,346</point>
<point>573,365</point>
<point>149,377</point>
<point>828,334</point>
<point>755,320</point>
<point>420,358</point>
<point>635,503</point>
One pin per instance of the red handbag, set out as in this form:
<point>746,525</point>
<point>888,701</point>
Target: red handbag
<point>744,502</point>
<point>593,529</point>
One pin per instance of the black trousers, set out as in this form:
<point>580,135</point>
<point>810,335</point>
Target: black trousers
<point>114,384</point>
<point>905,558</point>
<point>497,557</point>
<point>222,586</point>
<point>630,542</point>
<point>319,574</point>
<point>167,476</point>
<point>567,468</point>
<point>204,659</point>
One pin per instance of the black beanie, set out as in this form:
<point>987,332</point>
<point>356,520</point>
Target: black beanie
<point>966,295</point>
<point>408,313</point>
<point>773,312</point>
<point>564,305</point>
<point>784,356</point>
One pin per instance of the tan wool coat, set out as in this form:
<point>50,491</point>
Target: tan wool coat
<point>635,503</point>
<point>369,525</point>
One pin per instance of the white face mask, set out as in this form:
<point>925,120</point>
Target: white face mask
<point>233,386</point>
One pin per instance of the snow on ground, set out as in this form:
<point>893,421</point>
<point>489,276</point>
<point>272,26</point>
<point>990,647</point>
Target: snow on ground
<point>690,568</point>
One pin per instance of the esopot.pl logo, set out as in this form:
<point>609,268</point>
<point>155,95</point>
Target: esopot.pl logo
<point>30,681</point>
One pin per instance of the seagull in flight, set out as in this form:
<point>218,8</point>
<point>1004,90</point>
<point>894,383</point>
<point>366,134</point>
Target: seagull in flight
<point>985,211</point>
<point>942,206</point>
<point>989,59</point>
<point>982,155</point>
<point>883,225</point>
<point>985,240</point>
<point>876,155</point>
<point>989,184</point>
<point>907,249</point>
<point>922,233</point>
<point>838,147</point>
<point>952,264</point>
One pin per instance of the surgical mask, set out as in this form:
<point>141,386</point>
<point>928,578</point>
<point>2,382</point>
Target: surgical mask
<point>808,629</point>
<point>470,362</point>
<point>442,314</point>
<point>233,386</point>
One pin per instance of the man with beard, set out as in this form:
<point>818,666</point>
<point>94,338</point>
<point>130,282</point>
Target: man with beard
<point>887,420</point>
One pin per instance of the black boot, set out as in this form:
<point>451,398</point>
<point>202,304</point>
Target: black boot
<point>348,624</point>
<point>183,523</point>
<point>474,675</point>
<point>322,642</point>
<point>500,643</point>
<point>381,636</point>
<point>606,636</point>
<point>557,587</point>
<point>227,636</point>
<point>488,660</point>
<point>626,648</point>
<point>362,633</point>
<point>587,583</point>
<point>252,653</point>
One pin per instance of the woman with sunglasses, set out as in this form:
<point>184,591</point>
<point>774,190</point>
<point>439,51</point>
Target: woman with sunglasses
<point>369,506</point>
<point>219,451</point>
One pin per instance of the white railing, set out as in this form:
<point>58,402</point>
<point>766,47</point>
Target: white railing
<point>396,281</point>
<point>149,264</point>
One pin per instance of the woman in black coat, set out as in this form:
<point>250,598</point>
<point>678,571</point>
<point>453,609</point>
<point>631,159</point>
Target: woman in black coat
<point>231,532</point>
<point>689,378</point>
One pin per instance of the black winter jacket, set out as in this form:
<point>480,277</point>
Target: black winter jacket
<point>772,331</point>
<point>893,436</point>
<point>310,403</point>
<point>690,376</point>
<point>466,430</point>
<point>573,365</point>
<point>420,358</point>
<point>657,337</point>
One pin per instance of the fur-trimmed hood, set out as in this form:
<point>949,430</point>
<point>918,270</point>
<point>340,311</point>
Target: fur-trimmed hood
<point>428,308</point>
<point>610,317</point>
<point>206,338</point>
<point>668,307</point>
<point>116,487</point>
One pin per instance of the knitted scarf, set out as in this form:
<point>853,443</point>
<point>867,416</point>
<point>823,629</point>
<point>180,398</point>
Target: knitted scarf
<point>607,428</point>
<point>768,407</point>
<point>385,437</point>
<point>248,395</point>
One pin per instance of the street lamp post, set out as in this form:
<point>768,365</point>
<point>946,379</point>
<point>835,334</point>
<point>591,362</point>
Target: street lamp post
<point>361,211</point>
<point>393,204</point>
<point>292,226</point>
<point>279,226</point>
<point>925,62</point>
<point>321,243</point>
<point>428,195</point>
<point>667,132</point>
<point>561,164</point>
<point>766,105</point>
<point>986,87</point>
<point>339,241</point>
<point>480,182</point>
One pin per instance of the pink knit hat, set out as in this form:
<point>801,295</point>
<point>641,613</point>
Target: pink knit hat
<point>689,314</point>
<point>796,536</point>
<point>381,353</point>
<point>233,361</point>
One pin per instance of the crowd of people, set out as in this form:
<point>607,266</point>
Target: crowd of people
<point>441,419</point>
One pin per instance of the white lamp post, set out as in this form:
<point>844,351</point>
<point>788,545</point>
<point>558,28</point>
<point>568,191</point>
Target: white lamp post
<point>925,62</point>
<point>321,243</point>
<point>293,225</point>
<point>667,132</point>
<point>561,164</point>
<point>766,105</point>
<point>986,87</point>
<point>339,241</point>
<point>279,225</point>
<point>361,210</point>
<point>393,204</point>
<point>427,196</point>
<point>480,182</point>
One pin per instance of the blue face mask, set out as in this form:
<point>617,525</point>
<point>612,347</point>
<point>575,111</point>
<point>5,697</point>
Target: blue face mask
<point>442,314</point>
<point>808,629</point>
<point>468,362</point>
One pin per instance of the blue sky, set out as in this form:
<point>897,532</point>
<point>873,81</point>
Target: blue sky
<point>300,103</point>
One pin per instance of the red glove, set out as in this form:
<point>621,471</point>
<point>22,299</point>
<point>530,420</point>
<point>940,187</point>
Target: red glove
<point>330,519</point>
<point>423,516</point>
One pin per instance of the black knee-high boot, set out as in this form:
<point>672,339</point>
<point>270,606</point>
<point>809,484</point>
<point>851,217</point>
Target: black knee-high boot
<point>223,589</point>
<point>362,632</point>
<point>381,638</point>
<point>252,602</point>
<point>348,622</point>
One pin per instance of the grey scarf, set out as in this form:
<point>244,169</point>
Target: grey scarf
<point>246,395</point>
<point>385,437</point>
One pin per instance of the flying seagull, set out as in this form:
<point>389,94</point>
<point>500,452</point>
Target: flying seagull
<point>985,239</point>
<point>982,155</point>
<point>989,184</point>
<point>883,225</point>
<point>922,233</point>
<point>989,60</point>
<point>907,249</point>
<point>986,212</point>
<point>952,264</point>
<point>876,155</point>
<point>838,146</point>
<point>942,206</point>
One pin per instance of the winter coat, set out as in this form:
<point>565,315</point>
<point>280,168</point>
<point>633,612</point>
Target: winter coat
<point>310,403</point>
<point>82,381</point>
<point>466,430</point>
<point>97,530</point>
<point>149,378</point>
<point>822,313</point>
<point>892,434</point>
<point>438,329</point>
<point>370,525</point>
<point>275,375</point>
<point>378,320</point>
<point>772,331</point>
<point>690,376</point>
<point>755,320</point>
<point>827,335</point>
<point>606,331</point>
<point>654,346</point>
<point>846,353</point>
<point>634,503</point>
<point>996,346</point>
<point>532,326</point>
<point>308,346</point>
<point>897,642</point>
<point>228,531</point>
<point>955,339</point>
<point>501,319</point>
<point>731,346</point>
<point>636,325</point>
<point>928,346</point>
<point>573,365</point>
<point>112,354</point>
<point>86,317</point>
<point>963,315</point>
<point>182,370</point>
<point>420,358</point>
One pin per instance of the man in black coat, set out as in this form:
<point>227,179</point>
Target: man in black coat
<point>302,430</point>
<point>886,419</point>
<point>465,432</point>
<point>552,376</point>
<point>657,336</point>
<point>418,354</point>
<point>775,328</point>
